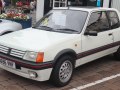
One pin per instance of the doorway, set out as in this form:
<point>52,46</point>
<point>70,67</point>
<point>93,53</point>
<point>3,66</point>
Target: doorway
<point>48,5</point>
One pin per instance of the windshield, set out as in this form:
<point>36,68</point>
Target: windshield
<point>66,21</point>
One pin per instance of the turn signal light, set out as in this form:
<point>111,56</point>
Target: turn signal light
<point>40,57</point>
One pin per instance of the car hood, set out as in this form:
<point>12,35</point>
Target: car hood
<point>33,39</point>
<point>6,24</point>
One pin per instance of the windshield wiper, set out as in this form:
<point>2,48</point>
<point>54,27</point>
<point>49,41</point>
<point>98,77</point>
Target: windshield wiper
<point>66,29</point>
<point>44,28</point>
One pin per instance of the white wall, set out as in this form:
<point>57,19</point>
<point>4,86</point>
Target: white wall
<point>116,4</point>
<point>106,3</point>
<point>40,9</point>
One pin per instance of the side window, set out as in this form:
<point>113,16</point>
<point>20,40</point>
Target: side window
<point>98,22</point>
<point>113,18</point>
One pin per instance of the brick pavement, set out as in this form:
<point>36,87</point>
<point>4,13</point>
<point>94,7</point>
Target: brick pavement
<point>85,74</point>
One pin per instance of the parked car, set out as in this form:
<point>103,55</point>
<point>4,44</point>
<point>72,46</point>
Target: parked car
<point>8,26</point>
<point>61,41</point>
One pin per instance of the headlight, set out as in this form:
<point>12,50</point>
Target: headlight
<point>34,56</point>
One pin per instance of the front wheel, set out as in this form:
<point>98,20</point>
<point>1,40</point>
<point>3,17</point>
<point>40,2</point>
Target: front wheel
<point>63,70</point>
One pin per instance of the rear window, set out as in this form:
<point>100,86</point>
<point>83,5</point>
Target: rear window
<point>114,19</point>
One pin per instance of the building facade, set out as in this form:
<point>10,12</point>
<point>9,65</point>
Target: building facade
<point>44,6</point>
<point>115,4</point>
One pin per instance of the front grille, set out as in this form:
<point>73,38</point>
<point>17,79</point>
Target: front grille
<point>4,49</point>
<point>11,51</point>
<point>17,53</point>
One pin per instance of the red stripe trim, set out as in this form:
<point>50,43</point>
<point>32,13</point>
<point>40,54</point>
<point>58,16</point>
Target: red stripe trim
<point>35,66</point>
<point>96,50</point>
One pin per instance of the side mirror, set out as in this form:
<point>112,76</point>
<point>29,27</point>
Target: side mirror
<point>91,33</point>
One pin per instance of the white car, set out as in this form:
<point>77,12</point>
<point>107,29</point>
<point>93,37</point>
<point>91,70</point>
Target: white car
<point>61,41</point>
<point>7,26</point>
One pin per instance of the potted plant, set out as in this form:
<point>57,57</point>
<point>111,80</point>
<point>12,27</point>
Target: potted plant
<point>23,19</point>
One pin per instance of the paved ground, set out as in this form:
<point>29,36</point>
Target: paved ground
<point>85,74</point>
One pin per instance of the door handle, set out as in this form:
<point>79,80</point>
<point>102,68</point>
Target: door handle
<point>110,34</point>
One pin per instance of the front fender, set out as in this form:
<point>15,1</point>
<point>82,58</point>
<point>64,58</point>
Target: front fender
<point>63,52</point>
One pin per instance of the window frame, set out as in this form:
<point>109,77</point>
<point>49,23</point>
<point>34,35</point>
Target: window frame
<point>106,18</point>
<point>111,28</point>
<point>50,12</point>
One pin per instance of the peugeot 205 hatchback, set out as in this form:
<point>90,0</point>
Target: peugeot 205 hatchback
<point>61,41</point>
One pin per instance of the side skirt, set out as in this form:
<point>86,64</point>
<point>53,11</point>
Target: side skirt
<point>95,56</point>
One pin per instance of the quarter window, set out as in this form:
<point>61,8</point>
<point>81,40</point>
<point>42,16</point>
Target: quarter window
<point>114,20</point>
<point>98,22</point>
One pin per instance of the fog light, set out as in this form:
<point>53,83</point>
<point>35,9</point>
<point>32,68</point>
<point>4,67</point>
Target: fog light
<point>32,74</point>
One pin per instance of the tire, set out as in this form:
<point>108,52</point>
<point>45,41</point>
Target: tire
<point>63,71</point>
<point>117,54</point>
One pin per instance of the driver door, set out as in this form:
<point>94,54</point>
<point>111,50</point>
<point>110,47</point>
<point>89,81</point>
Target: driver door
<point>94,47</point>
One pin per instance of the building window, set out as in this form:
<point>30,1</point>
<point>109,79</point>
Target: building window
<point>59,3</point>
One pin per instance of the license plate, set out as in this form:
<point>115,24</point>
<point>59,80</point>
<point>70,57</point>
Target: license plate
<point>7,63</point>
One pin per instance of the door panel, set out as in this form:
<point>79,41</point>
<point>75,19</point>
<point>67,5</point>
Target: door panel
<point>92,42</point>
<point>94,47</point>
<point>98,22</point>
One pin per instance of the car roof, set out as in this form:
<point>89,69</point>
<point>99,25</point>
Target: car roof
<point>87,8</point>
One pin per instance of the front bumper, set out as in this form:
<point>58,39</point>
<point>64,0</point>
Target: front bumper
<point>27,64</point>
<point>23,67</point>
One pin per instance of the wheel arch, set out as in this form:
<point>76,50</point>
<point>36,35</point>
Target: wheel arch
<point>70,52</point>
<point>7,31</point>
<point>57,59</point>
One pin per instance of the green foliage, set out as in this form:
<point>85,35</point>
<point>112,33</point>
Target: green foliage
<point>14,1</point>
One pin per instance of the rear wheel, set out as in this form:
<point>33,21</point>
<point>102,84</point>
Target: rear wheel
<point>62,72</point>
<point>117,54</point>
